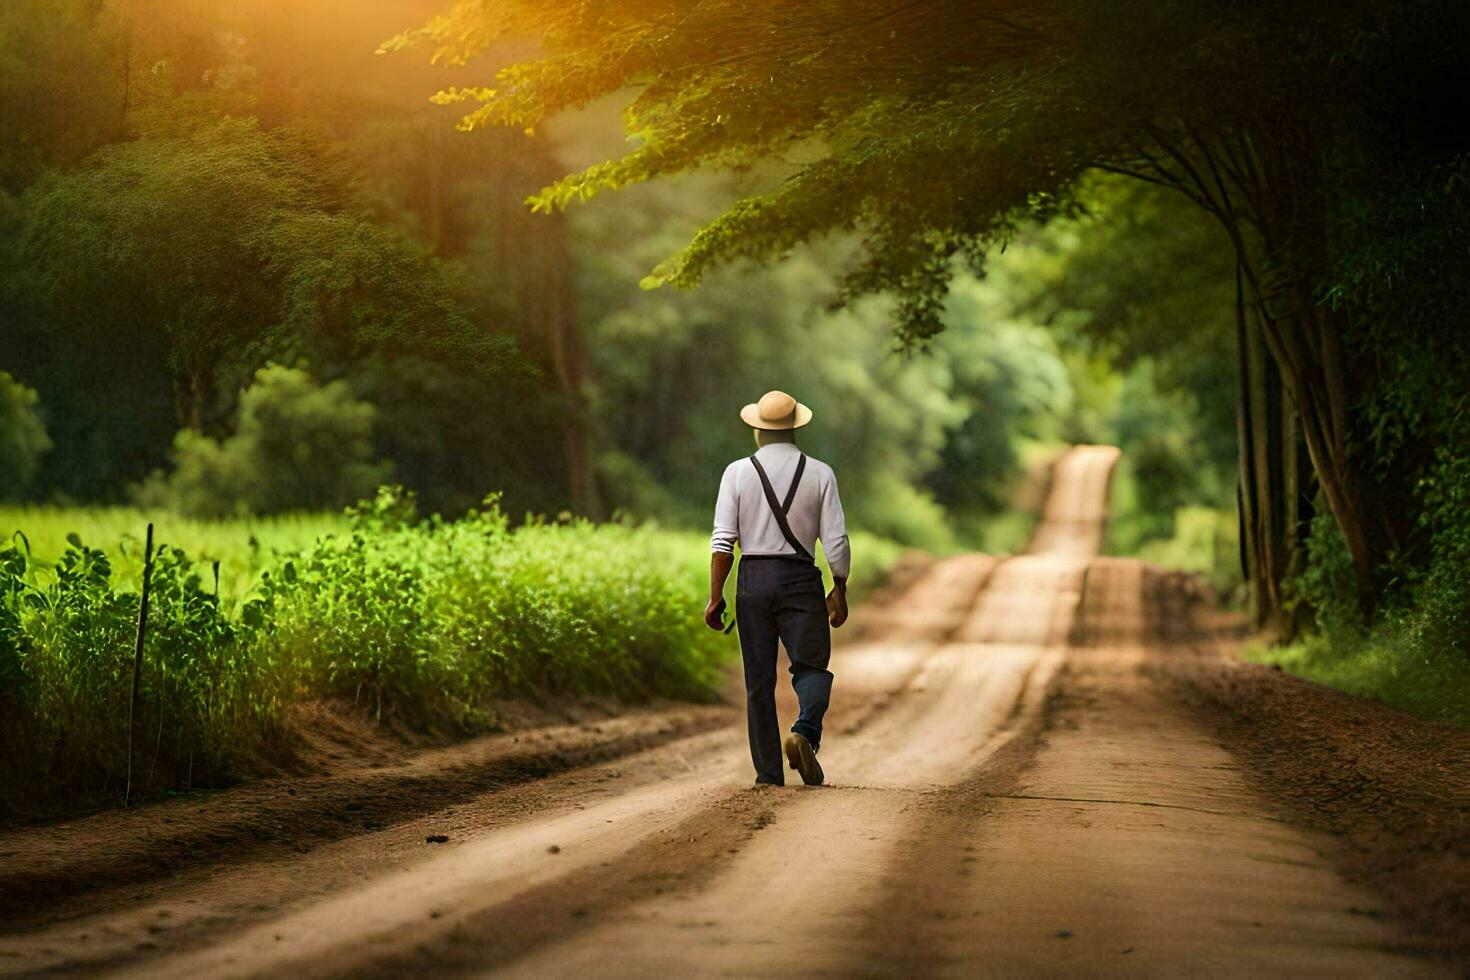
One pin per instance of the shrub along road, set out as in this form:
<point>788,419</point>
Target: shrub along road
<point>1034,770</point>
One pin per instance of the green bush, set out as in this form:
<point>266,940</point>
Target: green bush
<point>1326,584</point>
<point>460,611</point>
<point>297,446</point>
<point>1414,655</point>
<point>895,510</point>
<point>421,621</point>
<point>23,439</point>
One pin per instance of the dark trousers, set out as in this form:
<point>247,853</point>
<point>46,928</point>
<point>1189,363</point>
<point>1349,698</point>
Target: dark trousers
<point>780,599</point>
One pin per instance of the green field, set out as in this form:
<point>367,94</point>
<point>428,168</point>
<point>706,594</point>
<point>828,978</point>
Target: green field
<point>247,546</point>
<point>244,548</point>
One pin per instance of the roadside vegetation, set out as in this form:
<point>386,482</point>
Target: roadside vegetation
<point>1410,654</point>
<point>414,621</point>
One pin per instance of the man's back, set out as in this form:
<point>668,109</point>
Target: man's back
<point>743,516</point>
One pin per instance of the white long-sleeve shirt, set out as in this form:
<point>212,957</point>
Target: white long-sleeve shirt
<point>742,514</point>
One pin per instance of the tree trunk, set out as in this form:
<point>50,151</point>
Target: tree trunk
<point>1298,491</point>
<point>1262,405</point>
<point>1267,478</point>
<point>567,354</point>
<point>1261,184</point>
<point>559,318</point>
<point>1250,560</point>
<point>1317,385</point>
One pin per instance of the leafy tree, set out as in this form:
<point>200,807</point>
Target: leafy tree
<point>61,92</point>
<point>937,129</point>
<point>23,439</point>
<point>668,369</point>
<point>297,446</point>
<point>155,278</point>
<point>1011,379</point>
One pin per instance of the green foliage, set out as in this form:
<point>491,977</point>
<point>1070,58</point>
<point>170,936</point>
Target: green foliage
<point>53,56</point>
<point>1325,584</point>
<point>1146,281</point>
<point>1400,273</point>
<point>1011,381</point>
<point>297,445</point>
<point>900,512</point>
<point>918,441</point>
<point>411,618</point>
<point>267,257</point>
<point>1414,655</point>
<point>74,664</point>
<point>1173,464</point>
<point>13,588</point>
<point>935,130</point>
<point>1176,532</point>
<point>23,439</point>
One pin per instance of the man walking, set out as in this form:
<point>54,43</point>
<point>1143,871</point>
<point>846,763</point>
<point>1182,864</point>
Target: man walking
<point>778,593</point>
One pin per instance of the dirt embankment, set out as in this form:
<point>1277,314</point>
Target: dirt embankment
<point>1394,791</point>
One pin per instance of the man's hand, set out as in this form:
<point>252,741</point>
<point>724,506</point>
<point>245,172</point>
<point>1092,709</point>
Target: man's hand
<point>837,603</point>
<point>720,563</point>
<point>713,614</point>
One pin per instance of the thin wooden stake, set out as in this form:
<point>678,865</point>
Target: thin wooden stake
<point>138,660</point>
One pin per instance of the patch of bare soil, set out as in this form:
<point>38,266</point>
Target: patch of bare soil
<point>922,915</point>
<point>668,862</point>
<point>1393,789</point>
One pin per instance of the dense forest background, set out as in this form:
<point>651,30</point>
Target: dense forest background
<point>246,267</point>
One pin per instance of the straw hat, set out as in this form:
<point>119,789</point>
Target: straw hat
<point>776,410</point>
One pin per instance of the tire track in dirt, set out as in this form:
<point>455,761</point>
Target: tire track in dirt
<point>821,868</point>
<point>41,868</point>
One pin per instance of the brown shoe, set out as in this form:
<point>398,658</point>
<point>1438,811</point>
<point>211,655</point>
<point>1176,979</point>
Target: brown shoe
<point>802,758</point>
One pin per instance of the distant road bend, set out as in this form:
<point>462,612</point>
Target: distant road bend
<point>1011,794</point>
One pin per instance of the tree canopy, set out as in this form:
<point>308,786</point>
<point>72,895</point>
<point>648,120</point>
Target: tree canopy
<point>936,130</point>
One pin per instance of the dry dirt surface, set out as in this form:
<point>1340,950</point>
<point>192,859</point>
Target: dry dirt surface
<point>1035,769</point>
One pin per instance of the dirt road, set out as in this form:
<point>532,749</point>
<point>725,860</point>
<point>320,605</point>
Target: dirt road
<point>1010,794</point>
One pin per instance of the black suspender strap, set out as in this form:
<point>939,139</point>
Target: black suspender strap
<point>779,509</point>
<point>795,482</point>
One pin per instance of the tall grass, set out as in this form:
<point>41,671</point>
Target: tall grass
<point>244,548</point>
<point>1426,680</point>
<point>421,621</point>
